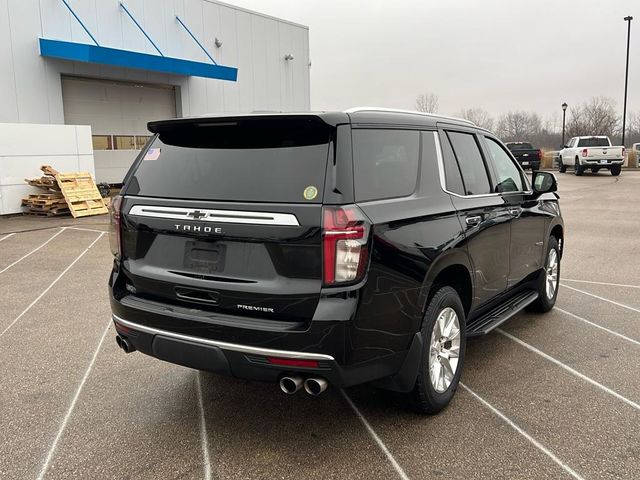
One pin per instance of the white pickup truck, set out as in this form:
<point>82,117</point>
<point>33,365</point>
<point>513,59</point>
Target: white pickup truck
<point>593,153</point>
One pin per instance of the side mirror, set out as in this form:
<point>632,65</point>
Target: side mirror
<point>544,182</point>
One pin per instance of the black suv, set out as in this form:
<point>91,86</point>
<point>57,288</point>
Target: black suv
<point>329,248</point>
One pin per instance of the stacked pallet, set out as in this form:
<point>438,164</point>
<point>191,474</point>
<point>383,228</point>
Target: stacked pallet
<point>46,204</point>
<point>64,193</point>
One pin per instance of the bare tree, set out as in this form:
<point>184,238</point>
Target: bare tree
<point>519,126</point>
<point>596,117</point>
<point>480,117</point>
<point>427,102</point>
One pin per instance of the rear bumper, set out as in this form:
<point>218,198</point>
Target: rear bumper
<point>396,371</point>
<point>534,164</point>
<point>596,163</point>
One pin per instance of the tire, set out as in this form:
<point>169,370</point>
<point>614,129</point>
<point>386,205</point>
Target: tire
<point>426,397</point>
<point>562,168</point>
<point>615,170</point>
<point>579,169</point>
<point>546,299</point>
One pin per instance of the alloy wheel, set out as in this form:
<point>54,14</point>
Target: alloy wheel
<point>444,349</point>
<point>552,273</point>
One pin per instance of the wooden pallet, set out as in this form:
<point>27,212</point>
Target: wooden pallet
<point>54,212</point>
<point>49,204</point>
<point>81,194</point>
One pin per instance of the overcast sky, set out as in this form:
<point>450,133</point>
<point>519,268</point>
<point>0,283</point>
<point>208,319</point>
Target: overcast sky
<point>499,55</point>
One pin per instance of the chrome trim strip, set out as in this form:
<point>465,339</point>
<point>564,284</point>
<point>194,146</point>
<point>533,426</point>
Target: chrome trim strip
<point>267,352</point>
<point>218,216</point>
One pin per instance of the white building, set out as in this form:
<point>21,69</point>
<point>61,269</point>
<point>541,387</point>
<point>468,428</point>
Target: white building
<point>113,66</point>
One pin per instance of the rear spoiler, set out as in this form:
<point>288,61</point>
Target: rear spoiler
<point>311,119</point>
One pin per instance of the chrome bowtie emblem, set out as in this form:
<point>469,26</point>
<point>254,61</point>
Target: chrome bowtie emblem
<point>196,214</point>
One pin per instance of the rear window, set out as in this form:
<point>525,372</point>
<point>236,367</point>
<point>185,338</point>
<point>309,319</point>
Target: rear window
<point>250,161</point>
<point>385,163</point>
<point>593,142</point>
<point>519,146</point>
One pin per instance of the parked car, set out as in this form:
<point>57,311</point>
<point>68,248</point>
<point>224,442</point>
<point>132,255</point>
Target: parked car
<point>526,155</point>
<point>595,153</point>
<point>320,249</point>
<point>634,155</point>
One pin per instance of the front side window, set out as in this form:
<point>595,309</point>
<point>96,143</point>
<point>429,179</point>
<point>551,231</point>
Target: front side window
<point>474,172</point>
<point>509,178</point>
<point>385,163</point>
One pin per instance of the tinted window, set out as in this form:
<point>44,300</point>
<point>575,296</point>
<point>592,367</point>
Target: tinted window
<point>519,146</point>
<point>385,163</point>
<point>474,173</point>
<point>235,164</point>
<point>509,178</point>
<point>451,170</point>
<point>593,142</point>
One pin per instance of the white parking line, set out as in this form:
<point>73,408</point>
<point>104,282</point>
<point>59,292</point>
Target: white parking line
<point>631,403</point>
<point>601,283</point>
<point>573,315</point>
<point>85,229</point>
<point>8,235</point>
<point>63,425</point>
<point>533,441</point>
<point>396,466</point>
<point>602,298</point>
<point>32,251</point>
<point>51,285</point>
<point>203,431</point>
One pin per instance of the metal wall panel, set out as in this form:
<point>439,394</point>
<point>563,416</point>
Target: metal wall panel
<point>30,86</point>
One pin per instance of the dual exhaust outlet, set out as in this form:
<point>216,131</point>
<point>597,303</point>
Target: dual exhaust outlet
<point>288,384</point>
<point>312,385</point>
<point>125,344</point>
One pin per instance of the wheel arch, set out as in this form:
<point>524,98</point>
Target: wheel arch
<point>452,269</point>
<point>557,231</point>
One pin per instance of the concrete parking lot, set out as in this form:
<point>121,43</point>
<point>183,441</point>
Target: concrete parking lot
<point>551,396</point>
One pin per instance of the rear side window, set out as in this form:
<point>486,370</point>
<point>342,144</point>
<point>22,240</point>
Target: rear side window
<point>385,163</point>
<point>474,172</point>
<point>259,162</point>
<point>451,171</point>
<point>593,142</point>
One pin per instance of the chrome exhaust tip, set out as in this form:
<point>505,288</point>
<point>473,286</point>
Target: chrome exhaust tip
<point>315,386</point>
<point>290,385</point>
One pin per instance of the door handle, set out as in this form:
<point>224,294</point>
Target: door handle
<point>515,211</point>
<point>473,220</point>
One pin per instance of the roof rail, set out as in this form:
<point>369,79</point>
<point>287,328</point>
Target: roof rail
<point>412,112</point>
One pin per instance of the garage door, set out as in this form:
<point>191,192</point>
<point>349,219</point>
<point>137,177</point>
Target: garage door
<point>118,113</point>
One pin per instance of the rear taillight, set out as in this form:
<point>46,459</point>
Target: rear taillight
<point>345,234</point>
<point>584,152</point>
<point>115,240</point>
<point>540,155</point>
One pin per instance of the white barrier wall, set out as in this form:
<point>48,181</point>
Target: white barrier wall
<point>25,147</point>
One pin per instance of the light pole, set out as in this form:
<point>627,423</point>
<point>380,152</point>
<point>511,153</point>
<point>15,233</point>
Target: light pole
<point>564,112</point>
<point>626,78</point>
